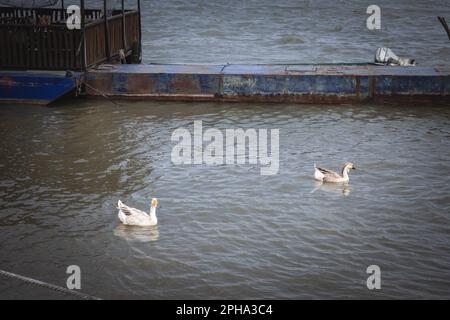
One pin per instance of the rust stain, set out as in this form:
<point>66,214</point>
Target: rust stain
<point>373,86</point>
<point>337,84</point>
<point>284,98</point>
<point>101,82</point>
<point>292,98</point>
<point>7,81</point>
<point>358,86</point>
<point>185,83</point>
<point>140,84</point>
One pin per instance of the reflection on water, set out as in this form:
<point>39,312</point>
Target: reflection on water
<point>336,188</point>
<point>137,233</point>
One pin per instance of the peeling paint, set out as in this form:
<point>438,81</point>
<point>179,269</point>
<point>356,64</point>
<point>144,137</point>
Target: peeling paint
<point>271,83</point>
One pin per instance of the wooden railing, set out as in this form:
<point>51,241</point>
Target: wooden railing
<point>39,47</point>
<point>13,15</point>
<point>132,28</point>
<point>97,49</point>
<point>54,47</point>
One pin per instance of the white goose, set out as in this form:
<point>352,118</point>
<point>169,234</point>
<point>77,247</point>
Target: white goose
<point>135,217</point>
<point>326,175</point>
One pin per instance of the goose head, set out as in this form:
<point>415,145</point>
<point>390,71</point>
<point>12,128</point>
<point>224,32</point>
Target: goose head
<point>153,210</point>
<point>348,166</point>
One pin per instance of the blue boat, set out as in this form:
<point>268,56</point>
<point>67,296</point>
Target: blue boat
<point>36,87</point>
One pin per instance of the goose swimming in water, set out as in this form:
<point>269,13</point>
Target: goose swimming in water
<point>326,175</point>
<point>135,217</point>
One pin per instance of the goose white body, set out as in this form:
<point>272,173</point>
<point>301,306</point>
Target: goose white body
<point>136,217</point>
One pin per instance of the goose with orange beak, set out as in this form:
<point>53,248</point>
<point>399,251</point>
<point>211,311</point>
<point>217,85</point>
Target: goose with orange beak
<point>134,217</point>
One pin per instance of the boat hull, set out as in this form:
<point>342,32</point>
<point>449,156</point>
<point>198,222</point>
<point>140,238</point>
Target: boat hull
<point>41,88</point>
<point>271,83</point>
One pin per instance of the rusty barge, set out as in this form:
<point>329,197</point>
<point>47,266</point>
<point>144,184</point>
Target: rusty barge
<point>337,83</point>
<point>41,60</point>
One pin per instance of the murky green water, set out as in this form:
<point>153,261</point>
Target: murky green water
<point>226,231</point>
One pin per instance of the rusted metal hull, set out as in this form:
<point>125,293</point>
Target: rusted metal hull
<point>270,83</point>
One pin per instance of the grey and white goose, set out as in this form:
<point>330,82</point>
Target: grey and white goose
<point>326,175</point>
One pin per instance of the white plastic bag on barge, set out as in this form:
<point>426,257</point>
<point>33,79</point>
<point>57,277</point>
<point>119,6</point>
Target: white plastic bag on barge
<point>386,57</point>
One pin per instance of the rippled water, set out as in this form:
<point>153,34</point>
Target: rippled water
<point>226,231</point>
<point>291,31</point>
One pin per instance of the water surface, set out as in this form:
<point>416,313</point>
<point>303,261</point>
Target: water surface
<point>226,231</point>
<point>291,31</point>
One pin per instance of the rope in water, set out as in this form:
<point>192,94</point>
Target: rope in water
<point>48,285</point>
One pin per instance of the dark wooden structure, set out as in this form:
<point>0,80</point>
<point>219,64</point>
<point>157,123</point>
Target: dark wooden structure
<point>40,39</point>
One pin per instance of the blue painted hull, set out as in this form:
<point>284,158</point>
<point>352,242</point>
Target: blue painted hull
<point>34,87</point>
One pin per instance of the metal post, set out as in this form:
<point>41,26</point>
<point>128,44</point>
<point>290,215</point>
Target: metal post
<point>63,16</point>
<point>83,35</point>
<point>140,30</point>
<point>107,47</point>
